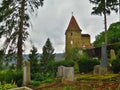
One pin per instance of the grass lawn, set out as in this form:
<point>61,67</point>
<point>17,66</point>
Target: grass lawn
<point>86,82</point>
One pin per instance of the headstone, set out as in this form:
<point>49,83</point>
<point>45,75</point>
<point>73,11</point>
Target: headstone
<point>104,58</point>
<point>112,54</point>
<point>60,71</point>
<point>67,73</point>
<point>26,73</point>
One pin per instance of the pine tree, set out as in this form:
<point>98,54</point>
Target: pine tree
<point>47,55</point>
<point>34,60</point>
<point>104,7</point>
<point>14,21</point>
<point>2,54</point>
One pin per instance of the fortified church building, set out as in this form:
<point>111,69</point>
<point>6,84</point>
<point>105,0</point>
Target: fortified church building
<point>74,37</point>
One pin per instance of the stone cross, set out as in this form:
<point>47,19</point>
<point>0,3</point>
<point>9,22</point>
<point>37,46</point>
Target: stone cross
<point>26,73</point>
<point>104,58</point>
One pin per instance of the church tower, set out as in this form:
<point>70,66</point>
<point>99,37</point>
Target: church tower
<point>73,34</point>
<point>74,38</point>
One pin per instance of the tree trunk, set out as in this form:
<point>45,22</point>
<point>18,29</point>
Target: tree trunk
<point>105,22</point>
<point>119,10</point>
<point>20,37</point>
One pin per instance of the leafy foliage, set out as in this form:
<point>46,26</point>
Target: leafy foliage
<point>113,35</point>
<point>72,54</point>
<point>6,86</point>
<point>47,56</point>
<point>1,58</point>
<point>52,66</point>
<point>116,63</point>
<point>102,6</point>
<point>114,32</point>
<point>9,76</point>
<point>87,64</point>
<point>34,58</point>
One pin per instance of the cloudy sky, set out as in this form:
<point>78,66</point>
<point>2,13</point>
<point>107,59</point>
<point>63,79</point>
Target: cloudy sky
<point>53,18</point>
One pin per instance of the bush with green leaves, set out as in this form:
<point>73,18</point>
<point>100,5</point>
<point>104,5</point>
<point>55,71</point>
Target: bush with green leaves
<point>87,64</point>
<point>116,63</point>
<point>6,86</point>
<point>52,66</point>
<point>35,83</point>
<point>8,76</point>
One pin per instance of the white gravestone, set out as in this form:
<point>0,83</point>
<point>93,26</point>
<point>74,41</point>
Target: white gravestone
<point>26,73</point>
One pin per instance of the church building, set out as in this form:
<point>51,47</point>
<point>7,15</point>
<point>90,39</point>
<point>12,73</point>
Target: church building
<point>74,38</point>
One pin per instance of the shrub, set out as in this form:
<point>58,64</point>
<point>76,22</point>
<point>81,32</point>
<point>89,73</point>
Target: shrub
<point>7,86</point>
<point>87,64</point>
<point>41,76</point>
<point>8,76</point>
<point>52,66</point>
<point>116,63</point>
<point>35,83</point>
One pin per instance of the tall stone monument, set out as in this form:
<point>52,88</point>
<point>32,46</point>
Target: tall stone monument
<point>103,67</point>
<point>26,73</point>
<point>104,58</point>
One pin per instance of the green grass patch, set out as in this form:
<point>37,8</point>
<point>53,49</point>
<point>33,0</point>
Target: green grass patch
<point>96,77</point>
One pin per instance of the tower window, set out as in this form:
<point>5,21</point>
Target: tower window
<point>71,42</point>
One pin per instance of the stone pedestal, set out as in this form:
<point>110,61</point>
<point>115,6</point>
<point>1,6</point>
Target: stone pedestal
<point>26,73</point>
<point>67,73</point>
<point>100,70</point>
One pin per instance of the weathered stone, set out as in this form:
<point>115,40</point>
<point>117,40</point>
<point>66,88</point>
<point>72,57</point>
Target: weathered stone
<point>67,73</point>
<point>26,73</point>
<point>100,70</point>
<point>112,54</point>
<point>60,71</point>
<point>104,58</point>
<point>21,88</point>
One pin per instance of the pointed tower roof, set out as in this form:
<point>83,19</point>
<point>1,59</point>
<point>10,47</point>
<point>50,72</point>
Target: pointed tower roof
<point>73,25</point>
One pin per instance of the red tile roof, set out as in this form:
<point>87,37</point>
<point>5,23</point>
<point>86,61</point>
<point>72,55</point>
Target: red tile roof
<point>73,25</point>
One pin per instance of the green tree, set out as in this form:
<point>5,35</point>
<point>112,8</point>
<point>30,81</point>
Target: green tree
<point>10,60</point>
<point>72,54</point>
<point>2,54</point>
<point>14,19</point>
<point>47,55</point>
<point>104,7</point>
<point>113,35</point>
<point>34,60</point>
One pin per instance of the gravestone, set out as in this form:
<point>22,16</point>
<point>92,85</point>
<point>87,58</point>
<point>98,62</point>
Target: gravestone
<point>67,73</point>
<point>112,54</point>
<point>26,73</point>
<point>102,69</point>
<point>60,71</point>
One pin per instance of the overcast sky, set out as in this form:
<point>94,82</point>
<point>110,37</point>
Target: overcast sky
<point>53,18</point>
